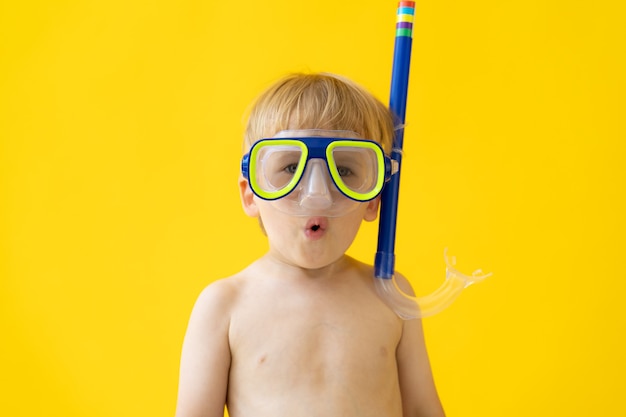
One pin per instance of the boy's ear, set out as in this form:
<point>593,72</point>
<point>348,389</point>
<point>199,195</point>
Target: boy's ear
<point>247,198</point>
<point>371,212</point>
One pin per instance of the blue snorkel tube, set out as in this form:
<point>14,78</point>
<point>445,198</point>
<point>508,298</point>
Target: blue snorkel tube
<point>405,305</point>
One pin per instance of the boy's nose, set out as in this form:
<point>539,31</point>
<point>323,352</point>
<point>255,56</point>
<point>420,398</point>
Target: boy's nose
<point>315,193</point>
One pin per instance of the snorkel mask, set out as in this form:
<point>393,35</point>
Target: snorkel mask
<point>317,172</point>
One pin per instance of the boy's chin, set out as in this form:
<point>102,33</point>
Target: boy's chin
<point>308,262</point>
<point>319,263</point>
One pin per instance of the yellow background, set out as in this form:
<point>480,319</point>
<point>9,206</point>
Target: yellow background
<point>120,126</point>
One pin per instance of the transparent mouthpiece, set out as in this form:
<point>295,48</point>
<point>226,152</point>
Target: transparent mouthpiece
<point>410,307</point>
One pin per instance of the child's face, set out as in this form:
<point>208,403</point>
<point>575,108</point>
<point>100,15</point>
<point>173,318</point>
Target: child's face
<point>316,223</point>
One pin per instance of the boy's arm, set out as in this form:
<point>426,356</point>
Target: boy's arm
<point>419,395</point>
<point>205,359</point>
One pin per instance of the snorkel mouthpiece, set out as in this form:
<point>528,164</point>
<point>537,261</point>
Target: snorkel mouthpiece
<point>410,307</point>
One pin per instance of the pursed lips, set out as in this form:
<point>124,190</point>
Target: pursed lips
<point>315,227</point>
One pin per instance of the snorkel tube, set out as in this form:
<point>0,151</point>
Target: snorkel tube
<point>405,305</point>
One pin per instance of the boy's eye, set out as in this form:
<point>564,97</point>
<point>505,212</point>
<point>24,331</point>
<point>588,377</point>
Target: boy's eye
<point>344,171</point>
<point>291,168</point>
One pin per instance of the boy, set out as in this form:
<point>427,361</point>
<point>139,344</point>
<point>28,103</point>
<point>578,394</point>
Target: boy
<point>301,331</point>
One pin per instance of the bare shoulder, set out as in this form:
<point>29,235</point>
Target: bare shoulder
<point>219,295</point>
<point>212,311</point>
<point>206,354</point>
<point>363,269</point>
<point>403,283</point>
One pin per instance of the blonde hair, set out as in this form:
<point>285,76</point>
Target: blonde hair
<point>319,101</point>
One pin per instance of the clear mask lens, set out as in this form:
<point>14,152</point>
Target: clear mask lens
<point>358,171</point>
<point>276,167</point>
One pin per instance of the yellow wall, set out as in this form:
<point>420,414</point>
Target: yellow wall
<point>120,124</point>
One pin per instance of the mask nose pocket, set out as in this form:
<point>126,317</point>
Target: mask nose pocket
<point>314,193</point>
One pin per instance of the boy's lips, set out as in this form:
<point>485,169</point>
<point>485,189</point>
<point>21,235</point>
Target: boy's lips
<point>316,227</point>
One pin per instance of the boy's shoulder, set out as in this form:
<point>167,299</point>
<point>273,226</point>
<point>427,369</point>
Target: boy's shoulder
<point>222,292</point>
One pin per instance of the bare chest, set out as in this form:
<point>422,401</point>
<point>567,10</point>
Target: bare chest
<point>314,330</point>
<point>309,351</point>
